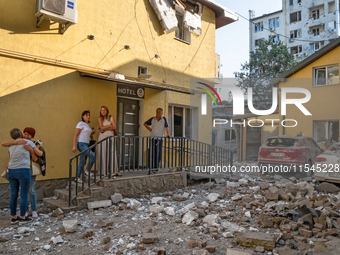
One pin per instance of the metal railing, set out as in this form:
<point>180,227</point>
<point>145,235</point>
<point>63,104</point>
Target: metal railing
<point>135,153</point>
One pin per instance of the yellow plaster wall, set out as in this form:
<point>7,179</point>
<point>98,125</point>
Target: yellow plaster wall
<point>51,98</point>
<point>324,103</point>
<point>114,24</point>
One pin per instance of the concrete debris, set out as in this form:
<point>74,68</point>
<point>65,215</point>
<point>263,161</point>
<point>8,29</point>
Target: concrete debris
<point>57,239</point>
<point>47,247</point>
<point>134,204</point>
<point>236,214</point>
<point>116,198</point>
<point>190,217</point>
<point>70,226</point>
<point>211,219</point>
<point>254,239</point>
<point>156,200</point>
<point>57,212</point>
<point>156,208</point>
<point>233,184</point>
<point>149,238</point>
<point>232,227</point>
<point>170,211</point>
<point>188,207</point>
<point>212,197</point>
<point>98,204</point>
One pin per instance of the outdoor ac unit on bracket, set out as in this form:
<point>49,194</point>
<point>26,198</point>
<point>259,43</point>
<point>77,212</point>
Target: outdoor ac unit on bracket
<point>63,12</point>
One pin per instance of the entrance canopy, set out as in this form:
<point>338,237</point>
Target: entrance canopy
<point>136,82</point>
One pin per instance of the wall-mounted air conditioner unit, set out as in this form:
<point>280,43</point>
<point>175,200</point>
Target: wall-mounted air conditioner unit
<point>62,11</point>
<point>272,28</point>
<point>291,40</point>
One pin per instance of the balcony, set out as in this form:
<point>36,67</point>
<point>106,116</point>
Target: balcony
<point>217,66</point>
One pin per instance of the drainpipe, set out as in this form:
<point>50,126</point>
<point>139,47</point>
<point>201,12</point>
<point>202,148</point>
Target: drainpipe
<point>250,32</point>
<point>285,14</point>
<point>337,17</point>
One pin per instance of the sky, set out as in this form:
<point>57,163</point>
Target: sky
<point>232,41</point>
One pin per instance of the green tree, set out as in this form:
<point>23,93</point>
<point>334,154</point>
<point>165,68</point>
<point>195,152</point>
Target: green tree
<point>268,61</point>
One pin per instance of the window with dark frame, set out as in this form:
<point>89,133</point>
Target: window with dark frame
<point>259,27</point>
<point>295,16</point>
<point>227,135</point>
<point>296,49</point>
<point>326,132</point>
<point>180,121</point>
<point>296,33</point>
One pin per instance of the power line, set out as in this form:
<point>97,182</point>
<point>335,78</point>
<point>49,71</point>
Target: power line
<point>295,39</point>
<point>41,66</point>
<point>104,54</point>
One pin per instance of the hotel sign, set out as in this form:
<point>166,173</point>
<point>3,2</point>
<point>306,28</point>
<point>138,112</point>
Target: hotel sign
<point>130,91</point>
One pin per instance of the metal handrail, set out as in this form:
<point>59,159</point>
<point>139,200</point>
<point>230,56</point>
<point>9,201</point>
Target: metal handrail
<point>131,153</point>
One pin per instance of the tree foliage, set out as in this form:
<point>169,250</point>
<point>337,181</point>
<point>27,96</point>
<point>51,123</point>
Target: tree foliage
<point>268,61</point>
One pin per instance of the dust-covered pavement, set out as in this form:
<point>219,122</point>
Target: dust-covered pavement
<point>256,214</point>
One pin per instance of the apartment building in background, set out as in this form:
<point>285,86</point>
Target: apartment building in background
<point>304,26</point>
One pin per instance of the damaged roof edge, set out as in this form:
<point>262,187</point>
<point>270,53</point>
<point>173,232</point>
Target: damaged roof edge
<point>309,60</point>
<point>224,16</point>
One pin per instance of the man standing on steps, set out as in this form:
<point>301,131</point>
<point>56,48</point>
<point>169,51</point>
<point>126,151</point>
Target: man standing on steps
<point>159,125</point>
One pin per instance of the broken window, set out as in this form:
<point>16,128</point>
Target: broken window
<point>274,38</point>
<point>296,49</point>
<point>258,27</point>
<point>295,16</point>
<point>165,14</point>
<point>257,42</point>
<point>316,46</point>
<point>182,33</point>
<point>295,33</point>
<point>229,135</point>
<point>327,75</point>
<point>315,14</point>
<point>331,7</point>
<point>281,142</point>
<point>273,23</point>
<point>331,26</point>
<point>315,31</point>
<point>326,132</point>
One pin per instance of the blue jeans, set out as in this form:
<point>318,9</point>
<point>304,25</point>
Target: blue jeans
<point>81,147</point>
<point>19,178</point>
<point>33,194</point>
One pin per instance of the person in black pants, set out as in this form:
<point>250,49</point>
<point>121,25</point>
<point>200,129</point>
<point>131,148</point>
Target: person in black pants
<point>159,124</point>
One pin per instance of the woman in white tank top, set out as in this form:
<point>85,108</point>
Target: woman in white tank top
<point>106,124</point>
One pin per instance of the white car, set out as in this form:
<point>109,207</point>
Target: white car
<point>327,165</point>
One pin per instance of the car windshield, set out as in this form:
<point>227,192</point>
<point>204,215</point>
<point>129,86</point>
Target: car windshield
<point>335,148</point>
<point>281,142</point>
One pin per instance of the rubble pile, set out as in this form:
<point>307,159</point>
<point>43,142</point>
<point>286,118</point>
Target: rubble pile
<point>237,215</point>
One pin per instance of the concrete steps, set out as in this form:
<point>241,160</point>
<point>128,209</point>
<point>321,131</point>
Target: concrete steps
<point>132,184</point>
